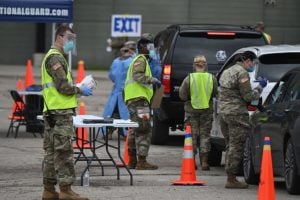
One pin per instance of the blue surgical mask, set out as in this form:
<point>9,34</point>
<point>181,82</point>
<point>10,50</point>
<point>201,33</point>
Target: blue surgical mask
<point>251,69</point>
<point>68,46</point>
<point>152,54</point>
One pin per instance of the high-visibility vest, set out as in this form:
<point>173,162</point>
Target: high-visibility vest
<point>201,86</point>
<point>134,89</point>
<point>268,37</point>
<point>54,100</point>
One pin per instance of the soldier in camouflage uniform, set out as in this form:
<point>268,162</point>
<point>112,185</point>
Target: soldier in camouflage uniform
<point>60,101</point>
<point>138,92</point>
<point>199,87</point>
<point>234,95</point>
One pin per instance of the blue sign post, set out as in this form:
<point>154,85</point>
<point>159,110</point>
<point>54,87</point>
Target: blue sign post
<point>57,11</point>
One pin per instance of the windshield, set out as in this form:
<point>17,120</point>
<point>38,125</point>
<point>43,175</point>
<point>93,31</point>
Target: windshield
<point>215,49</point>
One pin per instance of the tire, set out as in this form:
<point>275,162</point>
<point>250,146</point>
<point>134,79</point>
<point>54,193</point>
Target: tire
<point>215,157</point>
<point>292,180</point>
<point>160,131</point>
<point>249,174</point>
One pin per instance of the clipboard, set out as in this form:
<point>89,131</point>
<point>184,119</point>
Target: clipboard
<point>157,97</point>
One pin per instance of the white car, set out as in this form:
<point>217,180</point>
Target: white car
<point>272,62</point>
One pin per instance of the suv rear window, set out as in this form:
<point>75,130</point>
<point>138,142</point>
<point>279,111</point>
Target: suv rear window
<point>210,45</point>
<point>274,66</point>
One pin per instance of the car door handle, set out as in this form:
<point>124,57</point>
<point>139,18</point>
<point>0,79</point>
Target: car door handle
<point>287,110</point>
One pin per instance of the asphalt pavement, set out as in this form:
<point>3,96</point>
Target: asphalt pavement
<point>21,160</point>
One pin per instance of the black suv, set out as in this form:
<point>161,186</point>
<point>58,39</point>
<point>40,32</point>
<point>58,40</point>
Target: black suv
<point>178,44</point>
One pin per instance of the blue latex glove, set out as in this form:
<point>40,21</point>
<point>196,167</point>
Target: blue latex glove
<point>156,82</point>
<point>262,81</point>
<point>86,91</point>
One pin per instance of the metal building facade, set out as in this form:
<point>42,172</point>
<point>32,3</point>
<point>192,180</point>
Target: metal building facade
<point>92,23</point>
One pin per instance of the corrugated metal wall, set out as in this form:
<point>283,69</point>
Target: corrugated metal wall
<point>92,23</point>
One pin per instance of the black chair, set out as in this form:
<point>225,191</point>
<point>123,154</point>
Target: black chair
<point>24,114</point>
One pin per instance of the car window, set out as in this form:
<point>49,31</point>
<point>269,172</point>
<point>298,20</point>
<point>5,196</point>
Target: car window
<point>278,91</point>
<point>274,66</point>
<point>293,92</point>
<point>215,49</point>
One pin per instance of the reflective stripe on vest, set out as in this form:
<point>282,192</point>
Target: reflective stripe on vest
<point>54,100</point>
<point>201,86</point>
<point>134,89</point>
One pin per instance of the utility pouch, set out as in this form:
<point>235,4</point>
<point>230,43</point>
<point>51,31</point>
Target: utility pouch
<point>143,112</point>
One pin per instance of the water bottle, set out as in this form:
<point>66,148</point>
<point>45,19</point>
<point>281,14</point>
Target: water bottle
<point>86,178</point>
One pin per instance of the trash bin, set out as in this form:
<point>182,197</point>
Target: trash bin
<point>34,107</point>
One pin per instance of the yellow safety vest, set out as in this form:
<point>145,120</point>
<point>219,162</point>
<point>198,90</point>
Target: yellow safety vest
<point>201,86</point>
<point>54,100</point>
<point>268,37</point>
<point>134,89</point>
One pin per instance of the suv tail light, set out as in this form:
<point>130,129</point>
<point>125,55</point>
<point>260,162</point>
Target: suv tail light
<point>251,108</point>
<point>221,33</point>
<point>166,78</point>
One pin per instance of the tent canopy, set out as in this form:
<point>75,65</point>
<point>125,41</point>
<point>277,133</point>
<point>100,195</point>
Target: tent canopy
<point>56,11</point>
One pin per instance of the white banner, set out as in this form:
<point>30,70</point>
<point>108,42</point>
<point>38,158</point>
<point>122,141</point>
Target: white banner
<point>126,25</point>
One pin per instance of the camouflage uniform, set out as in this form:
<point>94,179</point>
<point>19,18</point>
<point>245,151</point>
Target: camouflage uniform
<point>58,158</point>
<point>234,95</point>
<point>139,139</point>
<point>200,119</point>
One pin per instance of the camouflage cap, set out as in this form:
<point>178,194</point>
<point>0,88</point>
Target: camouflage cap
<point>199,59</point>
<point>130,45</point>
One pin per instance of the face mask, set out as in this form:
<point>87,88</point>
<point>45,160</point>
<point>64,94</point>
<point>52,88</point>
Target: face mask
<point>251,69</point>
<point>152,54</point>
<point>68,46</point>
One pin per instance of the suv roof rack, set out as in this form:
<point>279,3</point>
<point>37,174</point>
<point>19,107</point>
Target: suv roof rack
<point>210,26</point>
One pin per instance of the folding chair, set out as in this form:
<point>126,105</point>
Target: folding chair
<point>18,117</point>
<point>25,115</point>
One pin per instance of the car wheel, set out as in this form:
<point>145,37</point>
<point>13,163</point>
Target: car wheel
<point>160,131</point>
<point>249,174</point>
<point>292,180</point>
<point>215,156</point>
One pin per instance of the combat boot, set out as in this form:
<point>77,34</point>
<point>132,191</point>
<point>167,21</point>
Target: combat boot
<point>49,192</point>
<point>132,159</point>
<point>142,164</point>
<point>204,162</point>
<point>66,193</point>
<point>232,182</point>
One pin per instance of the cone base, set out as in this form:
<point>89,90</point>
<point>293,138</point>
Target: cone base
<point>180,182</point>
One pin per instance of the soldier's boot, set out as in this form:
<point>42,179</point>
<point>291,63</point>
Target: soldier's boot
<point>204,162</point>
<point>49,192</point>
<point>66,193</point>
<point>142,164</point>
<point>132,159</point>
<point>232,182</point>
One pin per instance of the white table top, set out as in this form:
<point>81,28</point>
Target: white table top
<point>24,92</point>
<point>118,123</point>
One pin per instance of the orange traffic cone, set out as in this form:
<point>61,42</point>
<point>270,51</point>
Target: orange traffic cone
<point>82,134</point>
<point>29,79</point>
<point>80,71</point>
<point>188,174</point>
<point>125,154</point>
<point>19,86</point>
<point>266,189</point>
